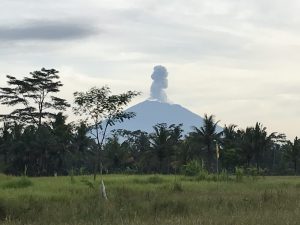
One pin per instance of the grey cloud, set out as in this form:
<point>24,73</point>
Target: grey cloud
<point>47,31</point>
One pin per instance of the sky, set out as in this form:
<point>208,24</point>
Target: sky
<point>236,59</point>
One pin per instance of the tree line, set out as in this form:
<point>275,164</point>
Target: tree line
<point>37,140</point>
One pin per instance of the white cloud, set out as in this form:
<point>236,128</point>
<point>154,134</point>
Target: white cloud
<point>237,59</point>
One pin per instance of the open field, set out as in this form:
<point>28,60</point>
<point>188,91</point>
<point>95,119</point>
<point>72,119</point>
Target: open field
<point>149,199</point>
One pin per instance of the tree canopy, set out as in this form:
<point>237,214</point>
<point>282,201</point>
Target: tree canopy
<point>33,97</point>
<point>100,110</point>
<point>37,138</point>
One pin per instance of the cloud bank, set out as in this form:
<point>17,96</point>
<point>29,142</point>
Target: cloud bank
<point>46,31</point>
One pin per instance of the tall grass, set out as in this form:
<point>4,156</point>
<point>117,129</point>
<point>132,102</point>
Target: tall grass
<point>153,199</point>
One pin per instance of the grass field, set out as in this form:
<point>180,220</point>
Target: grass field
<point>150,199</point>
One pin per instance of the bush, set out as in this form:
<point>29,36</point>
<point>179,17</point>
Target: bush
<point>202,175</point>
<point>254,172</point>
<point>192,168</point>
<point>130,171</point>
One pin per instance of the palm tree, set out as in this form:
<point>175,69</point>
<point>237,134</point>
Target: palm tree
<point>229,132</point>
<point>207,134</point>
<point>230,157</point>
<point>163,142</point>
<point>159,141</point>
<point>256,141</point>
<point>292,151</point>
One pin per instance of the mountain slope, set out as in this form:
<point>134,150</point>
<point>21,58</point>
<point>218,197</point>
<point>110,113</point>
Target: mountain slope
<point>149,113</point>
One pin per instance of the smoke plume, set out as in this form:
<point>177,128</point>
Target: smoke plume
<point>160,82</point>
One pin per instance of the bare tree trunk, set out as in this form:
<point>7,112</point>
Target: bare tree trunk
<point>103,190</point>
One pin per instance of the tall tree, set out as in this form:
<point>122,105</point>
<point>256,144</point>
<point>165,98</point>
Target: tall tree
<point>139,144</point>
<point>292,152</point>
<point>62,134</point>
<point>32,97</point>
<point>83,146</point>
<point>257,142</point>
<point>230,154</point>
<point>159,142</point>
<point>208,134</point>
<point>100,110</point>
<point>163,142</point>
<point>116,155</point>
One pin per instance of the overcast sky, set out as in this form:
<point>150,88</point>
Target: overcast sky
<point>236,59</point>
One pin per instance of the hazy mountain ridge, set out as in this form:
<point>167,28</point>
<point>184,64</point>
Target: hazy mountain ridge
<point>151,112</point>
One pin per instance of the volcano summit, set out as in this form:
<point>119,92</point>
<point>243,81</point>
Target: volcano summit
<point>158,109</point>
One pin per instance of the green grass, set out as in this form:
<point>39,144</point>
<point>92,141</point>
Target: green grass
<point>151,199</point>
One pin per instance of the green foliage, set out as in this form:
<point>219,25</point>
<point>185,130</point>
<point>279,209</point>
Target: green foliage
<point>202,175</point>
<point>164,141</point>
<point>207,135</point>
<point>100,109</point>
<point>255,172</point>
<point>224,176</point>
<point>37,137</point>
<point>192,168</point>
<point>195,169</point>
<point>46,150</point>
<point>292,152</point>
<point>34,96</point>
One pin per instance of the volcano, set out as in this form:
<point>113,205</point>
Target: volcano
<point>158,109</point>
<point>150,113</point>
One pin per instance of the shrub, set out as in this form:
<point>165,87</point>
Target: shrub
<point>130,171</point>
<point>192,168</point>
<point>202,175</point>
<point>251,171</point>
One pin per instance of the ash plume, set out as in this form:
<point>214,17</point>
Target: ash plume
<point>160,82</point>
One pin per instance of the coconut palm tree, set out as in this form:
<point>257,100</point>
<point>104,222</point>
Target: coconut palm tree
<point>292,151</point>
<point>255,141</point>
<point>207,134</point>
<point>163,141</point>
<point>230,154</point>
